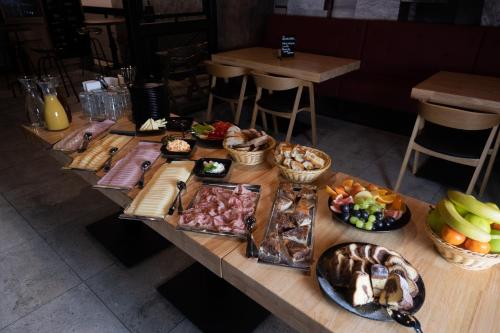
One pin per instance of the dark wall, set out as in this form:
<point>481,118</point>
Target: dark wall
<point>240,23</point>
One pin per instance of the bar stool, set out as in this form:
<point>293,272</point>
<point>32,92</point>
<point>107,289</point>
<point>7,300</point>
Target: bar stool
<point>462,136</point>
<point>96,50</point>
<point>283,97</point>
<point>229,84</point>
<point>48,58</point>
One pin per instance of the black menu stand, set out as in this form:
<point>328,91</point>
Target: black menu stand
<point>129,241</point>
<point>211,303</point>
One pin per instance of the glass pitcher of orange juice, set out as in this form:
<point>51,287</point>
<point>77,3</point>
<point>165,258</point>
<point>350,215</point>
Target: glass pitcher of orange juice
<point>54,113</point>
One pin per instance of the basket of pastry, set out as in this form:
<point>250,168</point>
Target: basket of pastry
<point>301,164</point>
<point>248,146</point>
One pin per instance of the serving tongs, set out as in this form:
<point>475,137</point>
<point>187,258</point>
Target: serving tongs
<point>87,136</point>
<point>406,319</point>
<point>252,250</point>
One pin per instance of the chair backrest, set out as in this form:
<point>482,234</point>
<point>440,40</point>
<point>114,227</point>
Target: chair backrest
<point>457,118</point>
<point>224,71</point>
<point>276,83</point>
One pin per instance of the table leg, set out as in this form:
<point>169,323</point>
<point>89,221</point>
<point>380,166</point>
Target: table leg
<point>113,48</point>
<point>198,294</point>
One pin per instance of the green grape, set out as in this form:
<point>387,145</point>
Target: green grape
<point>368,225</point>
<point>353,219</point>
<point>364,205</point>
<point>360,224</point>
<point>374,209</point>
<point>356,207</point>
<point>371,218</point>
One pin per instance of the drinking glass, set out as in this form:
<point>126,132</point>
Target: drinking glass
<point>112,105</point>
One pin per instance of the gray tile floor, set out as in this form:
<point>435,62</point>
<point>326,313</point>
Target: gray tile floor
<point>54,277</point>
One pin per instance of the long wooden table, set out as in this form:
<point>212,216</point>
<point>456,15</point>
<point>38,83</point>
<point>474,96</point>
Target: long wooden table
<point>456,300</point>
<point>306,66</point>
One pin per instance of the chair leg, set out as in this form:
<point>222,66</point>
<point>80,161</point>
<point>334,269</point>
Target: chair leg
<point>290,126</point>
<point>312,106</point>
<point>275,124</point>
<point>490,166</point>
<point>480,164</point>
<point>210,106</point>
<point>241,100</point>
<point>264,119</point>
<point>255,108</point>
<point>61,64</point>
<point>407,154</point>
<point>415,162</point>
<point>233,109</point>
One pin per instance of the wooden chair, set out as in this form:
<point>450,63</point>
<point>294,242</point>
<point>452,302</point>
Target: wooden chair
<point>283,97</point>
<point>466,146</point>
<point>225,85</point>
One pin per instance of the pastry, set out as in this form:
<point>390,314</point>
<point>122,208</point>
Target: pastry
<point>396,293</point>
<point>317,161</point>
<point>379,275</point>
<point>361,289</point>
<point>397,260</point>
<point>298,234</point>
<point>283,203</point>
<point>297,251</point>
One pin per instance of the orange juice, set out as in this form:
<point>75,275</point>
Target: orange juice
<point>54,114</point>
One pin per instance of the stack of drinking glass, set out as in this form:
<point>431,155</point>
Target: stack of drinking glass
<point>100,104</point>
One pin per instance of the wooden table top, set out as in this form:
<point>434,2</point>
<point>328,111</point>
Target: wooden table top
<point>105,21</point>
<point>456,300</point>
<point>469,91</point>
<point>306,66</point>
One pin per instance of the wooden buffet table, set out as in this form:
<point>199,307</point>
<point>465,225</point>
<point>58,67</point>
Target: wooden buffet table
<point>456,300</point>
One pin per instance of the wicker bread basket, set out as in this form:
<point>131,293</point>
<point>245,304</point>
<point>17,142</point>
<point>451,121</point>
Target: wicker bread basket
<point>461,257</point>
<point>250,157</point>
<point>306,176</point>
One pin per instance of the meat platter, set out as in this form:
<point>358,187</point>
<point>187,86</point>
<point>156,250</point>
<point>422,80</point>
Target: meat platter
<point>221,209</point>
<point>289,234</point>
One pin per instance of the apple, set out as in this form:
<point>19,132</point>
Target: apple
<point>495,242</point>
<point>478,222</point>
<point>435,221</point>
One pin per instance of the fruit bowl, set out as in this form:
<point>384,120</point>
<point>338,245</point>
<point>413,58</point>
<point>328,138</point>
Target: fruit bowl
<point>461,257</point>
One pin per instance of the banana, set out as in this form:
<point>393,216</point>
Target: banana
<point>457,222</point>
<point>471,204</point>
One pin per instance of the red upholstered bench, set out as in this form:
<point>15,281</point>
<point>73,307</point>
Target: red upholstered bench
<point>394,56</point>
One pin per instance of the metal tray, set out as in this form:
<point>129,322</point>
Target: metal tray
<point>307,265</point>
<point>231,186</point>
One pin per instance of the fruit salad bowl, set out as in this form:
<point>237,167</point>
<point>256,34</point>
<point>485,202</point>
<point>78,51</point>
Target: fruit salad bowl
<point>460,257</point>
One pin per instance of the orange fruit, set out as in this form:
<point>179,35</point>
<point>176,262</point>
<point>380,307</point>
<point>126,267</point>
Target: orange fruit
<point>382,191</point>
<point>495,226</point>
<point>398,203</point>
<point>372,187</point>
<point>476,246</point>
<point>387,199</point>
<point>347,183</point>
<point>331,192</point>
<point>340,190</point>
<point>452,236</point>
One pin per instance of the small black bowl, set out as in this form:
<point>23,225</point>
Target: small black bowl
<point>198,168</point>
<point>179,124</point>
<point>174,154</point>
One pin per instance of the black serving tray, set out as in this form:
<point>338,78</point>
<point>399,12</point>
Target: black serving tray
<point>400,223</point>
<point>198,168</point>
<point>178,155</point>
<point>372,311</point>
<point>179,124</point>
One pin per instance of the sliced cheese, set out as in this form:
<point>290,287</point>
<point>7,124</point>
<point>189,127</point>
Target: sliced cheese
<point>159,193</point>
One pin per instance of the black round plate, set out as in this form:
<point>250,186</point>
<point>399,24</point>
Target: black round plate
<point>401,222</point>
<point>340,295</point>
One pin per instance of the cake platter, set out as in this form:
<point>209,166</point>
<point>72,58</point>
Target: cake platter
<point>372,310</point>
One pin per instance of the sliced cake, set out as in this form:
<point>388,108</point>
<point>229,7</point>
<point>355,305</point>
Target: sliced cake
<point>378,276</point>
<point>361,289</point>
<point>396,294</point>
